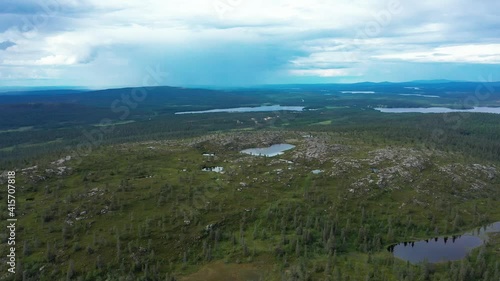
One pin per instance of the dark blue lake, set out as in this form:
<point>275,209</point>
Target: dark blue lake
<point>441,249</point>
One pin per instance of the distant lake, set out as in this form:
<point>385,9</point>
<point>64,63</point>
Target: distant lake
<point>420,95</point>
<point>495,110</point>
<point>248,109</point>
<point>357,92</point>
<point>442,249</point>
<point>271,151</point>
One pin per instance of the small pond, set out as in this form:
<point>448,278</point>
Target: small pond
<point>441,249</point>
<point>271,151</point>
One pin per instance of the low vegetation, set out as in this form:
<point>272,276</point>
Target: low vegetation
<point>147,211</point>
<point>134,199</point>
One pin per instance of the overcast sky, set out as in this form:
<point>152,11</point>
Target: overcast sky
<point>109,43</point>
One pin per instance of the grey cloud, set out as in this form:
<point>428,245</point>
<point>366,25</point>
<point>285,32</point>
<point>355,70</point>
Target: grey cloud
<point>49,7</point>
<point>46,15</point>
<point>6,44</point>
<point>221,63</point>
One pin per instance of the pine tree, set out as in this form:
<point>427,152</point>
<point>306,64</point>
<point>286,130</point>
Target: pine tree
<point>71,270</point>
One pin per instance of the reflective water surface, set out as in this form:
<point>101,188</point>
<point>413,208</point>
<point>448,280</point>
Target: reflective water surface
<point>271,151</point>
<point>441,249</point>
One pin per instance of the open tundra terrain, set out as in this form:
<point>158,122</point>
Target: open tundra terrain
<point>199,209</point>
<point>232,140</point>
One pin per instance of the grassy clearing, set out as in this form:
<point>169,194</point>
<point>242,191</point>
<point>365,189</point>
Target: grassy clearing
<point>327,122</point>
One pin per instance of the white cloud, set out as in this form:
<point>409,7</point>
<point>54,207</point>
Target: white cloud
<point>320,72</point>
<point>482,54</point>
<point>323,60</point>
<point>321,37</point>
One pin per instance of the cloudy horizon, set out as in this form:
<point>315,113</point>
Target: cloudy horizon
<point>114,43</point>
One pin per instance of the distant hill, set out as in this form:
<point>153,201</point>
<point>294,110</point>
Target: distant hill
<point>20,90</point>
